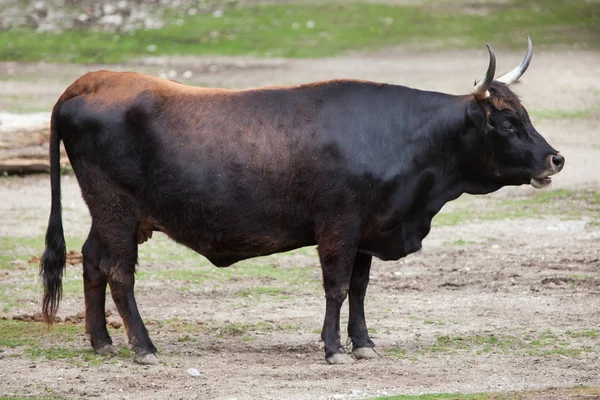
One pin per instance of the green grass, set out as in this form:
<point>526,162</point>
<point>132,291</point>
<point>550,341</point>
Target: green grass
<point>461,242</point>
<point>577,392</point>
<point>37,342</point>
<point>284,30</point>
<point>437,396</point>
<point>540,344</point>
<point>18,333</point>
<point>586,333</point>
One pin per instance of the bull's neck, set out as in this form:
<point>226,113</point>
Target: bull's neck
<point>436,129</point>
<point>442,125</point>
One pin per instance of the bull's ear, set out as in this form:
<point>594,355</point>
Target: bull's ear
<point>477,116</point>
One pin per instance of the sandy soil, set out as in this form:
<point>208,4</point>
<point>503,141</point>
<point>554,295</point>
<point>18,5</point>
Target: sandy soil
<point>518,280</point>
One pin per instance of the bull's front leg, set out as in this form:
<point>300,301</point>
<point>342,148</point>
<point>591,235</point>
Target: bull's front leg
<point>362,345</point>
<point>337,258</point>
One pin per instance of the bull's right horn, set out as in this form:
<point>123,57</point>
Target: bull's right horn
<point>481,89</point>
<point>516,73</point>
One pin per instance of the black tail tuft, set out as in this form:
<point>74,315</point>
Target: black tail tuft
<point>53,261</point>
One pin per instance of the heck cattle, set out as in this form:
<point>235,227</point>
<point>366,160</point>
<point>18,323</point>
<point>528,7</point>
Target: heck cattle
<point>357,168</point>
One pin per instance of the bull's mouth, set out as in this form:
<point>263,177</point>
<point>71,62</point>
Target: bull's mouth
<point>540,182</point>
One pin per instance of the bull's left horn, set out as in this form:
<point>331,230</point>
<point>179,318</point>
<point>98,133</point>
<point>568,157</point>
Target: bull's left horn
<point>516,73</point>
<point>481,89</point>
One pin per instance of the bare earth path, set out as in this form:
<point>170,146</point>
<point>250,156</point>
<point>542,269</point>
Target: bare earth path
<point>507,304</point>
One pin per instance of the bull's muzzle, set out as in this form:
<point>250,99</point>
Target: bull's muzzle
<point>555,163</point>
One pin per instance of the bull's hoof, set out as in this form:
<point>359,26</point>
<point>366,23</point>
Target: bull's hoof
<point>365,353</point>
<point>146,359</point>
<point>339,358</point>
<point>106,350</point>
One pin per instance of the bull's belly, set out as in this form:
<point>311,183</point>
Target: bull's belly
<point>226,248</point>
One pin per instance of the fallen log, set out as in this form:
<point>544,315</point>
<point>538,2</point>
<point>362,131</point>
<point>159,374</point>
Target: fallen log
<point>26,152</point>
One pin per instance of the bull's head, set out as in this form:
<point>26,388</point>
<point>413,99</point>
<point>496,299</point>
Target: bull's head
<point>503,145</point>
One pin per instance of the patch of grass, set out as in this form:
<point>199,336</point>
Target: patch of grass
<point>453,218</point>
<point>437,396</point>
<point>233,329</point>
<point>187,338</point>
<point>576,392</point>
<point>448,343</point>
<point>19,333</point>
<point>319,29</point>
<point>544,344</point>
<point>584,333</point>
<point>396,352</point>
<point>462,242</point>
<point>14,248</point>
<point>36,342</point>
<point>87,356</point>
<point>563,114</point>
<point>593,223</point>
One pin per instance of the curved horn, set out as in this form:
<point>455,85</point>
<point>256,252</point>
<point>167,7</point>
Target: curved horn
<point>481,89</point>
<point>516,73</point>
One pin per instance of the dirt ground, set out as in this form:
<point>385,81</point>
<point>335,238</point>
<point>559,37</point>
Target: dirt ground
<point>512,306</point>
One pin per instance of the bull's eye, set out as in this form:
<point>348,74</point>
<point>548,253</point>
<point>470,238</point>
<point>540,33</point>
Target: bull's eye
<point>507,127</point>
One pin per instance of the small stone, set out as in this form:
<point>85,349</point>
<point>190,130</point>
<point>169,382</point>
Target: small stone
<point>193,372</point>
<point>218,13</point>
<point>187,74</point>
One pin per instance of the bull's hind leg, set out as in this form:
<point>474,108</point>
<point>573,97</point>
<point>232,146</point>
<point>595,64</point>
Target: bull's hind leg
<point>94,286</point>
<point>362,345</point>
<point>120,269</point>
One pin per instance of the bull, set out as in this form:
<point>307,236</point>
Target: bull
<point>357,168</point>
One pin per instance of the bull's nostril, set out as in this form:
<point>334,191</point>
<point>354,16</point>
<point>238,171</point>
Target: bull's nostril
<point>558,160</point>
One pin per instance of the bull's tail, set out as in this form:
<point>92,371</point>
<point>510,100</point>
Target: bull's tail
<point>54,258</point>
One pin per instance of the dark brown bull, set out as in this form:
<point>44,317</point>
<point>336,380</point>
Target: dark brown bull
<point>358,168</point>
